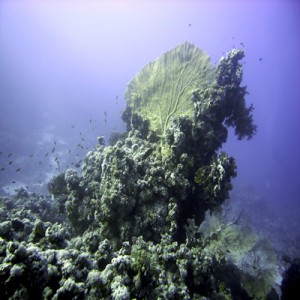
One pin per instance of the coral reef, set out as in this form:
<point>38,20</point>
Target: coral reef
<point>144,218</point>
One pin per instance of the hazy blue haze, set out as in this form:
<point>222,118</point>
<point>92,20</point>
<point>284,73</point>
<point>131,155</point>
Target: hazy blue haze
<point>66,63</point>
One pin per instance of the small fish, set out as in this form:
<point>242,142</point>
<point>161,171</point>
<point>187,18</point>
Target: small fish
<point>53,149</point>
<point>105,120</point>
<point>105,114</point>
<point>40,163</point>
<point>56,158</point>
<point>54,142</point>
<point>260,59</point>
<point>46,154</point>
<point>2,169</point>
<point>10,162</point>
<point>69,150</point>
<point>82,139</point>
<point>72,126</point>
<point>18,170</point>
<point>1,152</point>
<point>13,181</point>
<point>9,155</point>
<point>31,155</point>
<point>90,120</point>
<point>190,24</point>
<point>77,165</point>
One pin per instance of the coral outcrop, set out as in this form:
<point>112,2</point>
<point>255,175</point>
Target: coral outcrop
<point>135,223</point>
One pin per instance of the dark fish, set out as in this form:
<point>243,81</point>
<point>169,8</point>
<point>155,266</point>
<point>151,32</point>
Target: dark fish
<point>2,169</point>
<point>190,25</point>
<point>53,149</point>
<point>10,162</point>
<point>105,114</point>
<point>1,153</point>
<point>13,181</point>
<point>46,154</point>
<point>90,120</point>
<point>40,162</point>
<point>56,158</point>
<point>72,126</point>
<point>18,170</point>
<point>77,165</point>
<point>105,120</point>
<point>9,155</point>
<point>82,139</point>
<point>31,155</point>
<point>69,150</point>
<point>147,153</point>
<point>54,142</point>
<point>260,59</point>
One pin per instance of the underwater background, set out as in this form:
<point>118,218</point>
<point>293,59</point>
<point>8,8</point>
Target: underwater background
<point>65,66</point>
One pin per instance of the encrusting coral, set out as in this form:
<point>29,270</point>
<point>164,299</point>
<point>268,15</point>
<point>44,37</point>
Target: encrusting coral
<point>134,219</point>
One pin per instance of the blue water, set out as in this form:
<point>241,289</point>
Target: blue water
<point>64,68</point>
